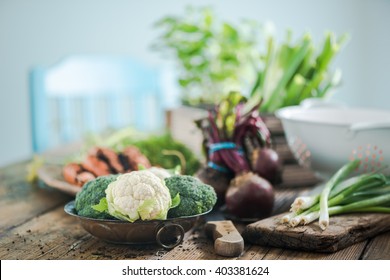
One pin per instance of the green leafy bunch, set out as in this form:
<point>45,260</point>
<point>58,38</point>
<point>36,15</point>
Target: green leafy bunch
<point>213,56</point>
<point>292,71</point>
<point>216,57</point>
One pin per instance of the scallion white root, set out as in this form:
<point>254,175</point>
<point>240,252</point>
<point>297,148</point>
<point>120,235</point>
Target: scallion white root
<point>286,218</point>
<point>303,203</point>
<point>295,221</point>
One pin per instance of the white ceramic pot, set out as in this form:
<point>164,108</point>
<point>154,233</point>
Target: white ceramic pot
<point>324,137</point>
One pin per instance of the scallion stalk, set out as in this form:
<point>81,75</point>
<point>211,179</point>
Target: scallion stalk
<point>341,174</point>
<point>304,202</point>
<point>359,206</point>
<point>369,192</point>
<point>310,217</point>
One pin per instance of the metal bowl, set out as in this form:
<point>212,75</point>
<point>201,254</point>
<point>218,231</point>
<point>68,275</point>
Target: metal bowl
<point>167,233</point>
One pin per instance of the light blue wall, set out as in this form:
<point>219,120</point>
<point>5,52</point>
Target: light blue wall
<point>43,31</point>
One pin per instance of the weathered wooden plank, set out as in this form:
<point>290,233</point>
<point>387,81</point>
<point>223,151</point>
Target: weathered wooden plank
<point>295,176</point>
<point>285,154</point>
<point>21,200</point>
<point>350,253</point>
<point>40,237</point>
<point>198,247</point>
<point>274,124</point>
<point>378,248</point>
<point>95,249</point>
<point>56,235</point>
<point>343,231</point>
<point>255,252</point>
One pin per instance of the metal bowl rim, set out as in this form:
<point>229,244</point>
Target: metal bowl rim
<point>69,208</point>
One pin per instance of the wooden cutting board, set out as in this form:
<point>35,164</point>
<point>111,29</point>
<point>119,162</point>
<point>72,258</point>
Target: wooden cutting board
<point>343,231</point>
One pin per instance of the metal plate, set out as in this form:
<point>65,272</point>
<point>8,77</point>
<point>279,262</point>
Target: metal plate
<point>51,176</point>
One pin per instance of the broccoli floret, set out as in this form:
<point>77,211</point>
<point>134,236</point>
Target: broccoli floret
<point>195,196</point>
<point>90,195</point>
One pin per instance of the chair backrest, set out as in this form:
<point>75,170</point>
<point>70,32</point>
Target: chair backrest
<point>90,94</point>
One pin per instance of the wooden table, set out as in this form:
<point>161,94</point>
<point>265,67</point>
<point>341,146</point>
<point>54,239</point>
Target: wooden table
<point>34,226</point>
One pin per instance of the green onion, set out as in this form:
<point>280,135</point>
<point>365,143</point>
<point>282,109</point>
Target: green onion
<point>368,192</point>
<point>363,181</point>
<point>366,204</point>
<point>339,176</point>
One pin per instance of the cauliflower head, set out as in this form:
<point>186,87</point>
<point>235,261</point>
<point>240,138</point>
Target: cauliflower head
<point>138,195</point>
<point>160,172</point>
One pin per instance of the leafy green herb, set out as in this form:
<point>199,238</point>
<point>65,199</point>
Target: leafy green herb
<point>161,150</point>
<point>213,56</point>
<point>156,147</point>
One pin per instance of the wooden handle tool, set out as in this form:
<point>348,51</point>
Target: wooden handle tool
<point>228,241</point>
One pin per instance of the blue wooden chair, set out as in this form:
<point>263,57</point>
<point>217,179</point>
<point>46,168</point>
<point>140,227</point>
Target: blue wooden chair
<point>91,94</point>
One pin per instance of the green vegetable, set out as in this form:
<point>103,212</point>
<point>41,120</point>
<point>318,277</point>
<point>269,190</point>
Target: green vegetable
<point>161,150</point>
<point>345,191</point>
<point>336,178</point>
<point>291,72</point>
<point>213,56</point>
<point>91,194</point>
<point>368,192</point>
<point>139,195</point>
<point>155,147</point>
<point>195,196</point>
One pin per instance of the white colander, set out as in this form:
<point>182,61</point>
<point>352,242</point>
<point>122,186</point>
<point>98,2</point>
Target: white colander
<point>324,138</point>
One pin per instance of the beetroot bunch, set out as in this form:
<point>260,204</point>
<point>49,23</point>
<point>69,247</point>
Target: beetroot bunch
<point>241,164</point>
